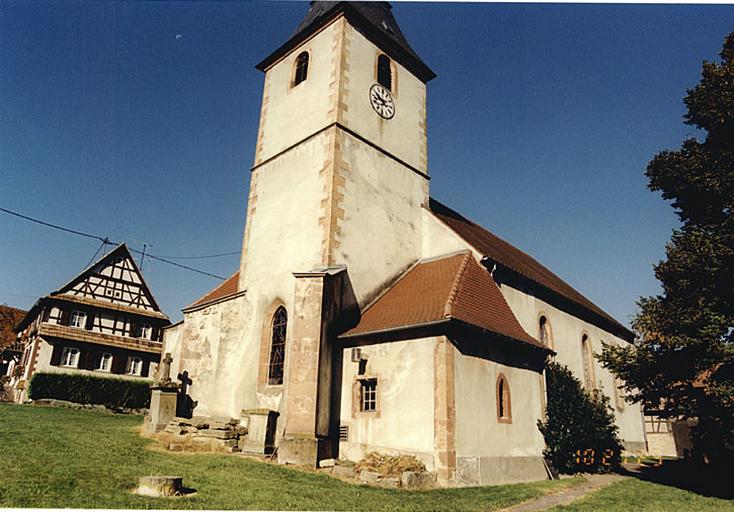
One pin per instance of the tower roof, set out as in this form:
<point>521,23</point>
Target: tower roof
<point>374,20</point>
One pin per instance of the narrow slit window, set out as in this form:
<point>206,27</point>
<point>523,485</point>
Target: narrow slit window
<point>544,335</point>
<point>384,72</point>
<point>301,69</point>
<point>277,347</point>
<point>504,411</point>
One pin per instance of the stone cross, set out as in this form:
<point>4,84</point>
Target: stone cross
<point>164,374</point>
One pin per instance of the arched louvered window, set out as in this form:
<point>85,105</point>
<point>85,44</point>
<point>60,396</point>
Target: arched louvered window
<point>277,347</point>
<point>504,408</point>
<point>301,69</point>
<point>384,72</point>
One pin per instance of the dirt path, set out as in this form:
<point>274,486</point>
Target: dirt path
<point>592,484</point>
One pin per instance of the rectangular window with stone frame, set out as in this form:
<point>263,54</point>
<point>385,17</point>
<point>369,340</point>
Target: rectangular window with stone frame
<point>368,395</point>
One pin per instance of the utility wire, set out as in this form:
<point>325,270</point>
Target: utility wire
<point>106,241</point>
<point>200,257</point>
<point>92,259</point>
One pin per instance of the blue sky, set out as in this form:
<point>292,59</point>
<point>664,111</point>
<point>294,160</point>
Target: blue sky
<point>137,121</point>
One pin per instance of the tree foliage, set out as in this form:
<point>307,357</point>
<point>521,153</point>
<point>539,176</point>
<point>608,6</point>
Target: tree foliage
<point>579,430</point>
<point>683,361</point>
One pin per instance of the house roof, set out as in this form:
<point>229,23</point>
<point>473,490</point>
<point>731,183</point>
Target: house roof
<point>223,290</point>
<point>9,317</point>
<point>373,19</point>
<point>450,288</point>
<point>504,254</point>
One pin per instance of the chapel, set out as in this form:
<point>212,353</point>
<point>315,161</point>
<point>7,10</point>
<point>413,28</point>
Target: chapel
<point>366,315</point>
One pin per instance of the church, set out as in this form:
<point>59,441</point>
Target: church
<point>366,315</point>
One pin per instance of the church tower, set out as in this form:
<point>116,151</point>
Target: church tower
<point>336,194</point>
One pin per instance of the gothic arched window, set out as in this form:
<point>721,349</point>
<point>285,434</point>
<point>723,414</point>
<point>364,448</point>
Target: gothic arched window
<point>588,360</point>
<point>384,72</point>
<point>301,68</point>
<point>544,328</point>
<point>277,347</point>
<point>504,410</point>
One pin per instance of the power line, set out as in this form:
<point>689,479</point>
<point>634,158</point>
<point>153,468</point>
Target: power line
<point>200,257</point>
<point>106,241</point>
<point>103,240</point>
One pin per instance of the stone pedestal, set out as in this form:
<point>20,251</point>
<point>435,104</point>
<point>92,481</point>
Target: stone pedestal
<point>162,407</point>
<point>297,448</point>
<point>260,424</point>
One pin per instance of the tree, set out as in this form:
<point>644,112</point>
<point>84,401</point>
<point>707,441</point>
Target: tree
<point>579,429</point>
<point>683,360</point>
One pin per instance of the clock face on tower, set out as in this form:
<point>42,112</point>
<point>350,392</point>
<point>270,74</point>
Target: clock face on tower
<point>382,102</point>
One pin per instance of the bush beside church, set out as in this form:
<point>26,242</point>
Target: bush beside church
<point>86,389</point>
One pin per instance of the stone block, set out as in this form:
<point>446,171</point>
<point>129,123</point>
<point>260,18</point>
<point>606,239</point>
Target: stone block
<point>217,434</point>
<point>175,447</point>
<point>297,449</point>
<point>369,477</point>
<point>390,482</point>
<point>159,486</point>
<point>413,479</point>
<point>162,409</point>
<point>327,463</point>
<point>343,471</point>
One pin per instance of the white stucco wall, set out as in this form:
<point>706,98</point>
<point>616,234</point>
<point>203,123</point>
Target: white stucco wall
<point>566,333</point>
<point>404,421</point>
<point>404,135</point>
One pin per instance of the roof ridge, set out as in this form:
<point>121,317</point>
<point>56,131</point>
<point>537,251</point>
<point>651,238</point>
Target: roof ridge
<point>449,306</point>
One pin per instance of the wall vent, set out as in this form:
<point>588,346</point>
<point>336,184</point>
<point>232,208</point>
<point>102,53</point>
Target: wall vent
<point>343,432</point>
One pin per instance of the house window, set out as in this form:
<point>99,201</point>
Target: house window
<point>70,357</point>
<point>301,69</point>
<point>277,347</point>
<point>105,362</point>
<point>78,319</point>
<point>368,395</point>
<point>144,331</point>
<point>504,409</point>
<point>384,72</point>
<point>134,366</point>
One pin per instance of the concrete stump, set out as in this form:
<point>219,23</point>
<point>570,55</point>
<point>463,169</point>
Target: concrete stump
<point>159,486</point>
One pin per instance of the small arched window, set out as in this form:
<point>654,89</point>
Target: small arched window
<point>384,72</point>
<point>588,360</point>
<point>301,69</point>
<point>277,347</point>
<point>544,328</point>
<point>504,408</point>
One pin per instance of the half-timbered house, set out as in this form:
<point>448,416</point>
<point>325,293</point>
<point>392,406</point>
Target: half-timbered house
<point>105,321</point>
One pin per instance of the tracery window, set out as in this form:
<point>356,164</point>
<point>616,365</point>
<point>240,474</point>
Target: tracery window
<point>504,409</point>
<point>384,72</point>
<point>277,347</point>
<point>301,72</point>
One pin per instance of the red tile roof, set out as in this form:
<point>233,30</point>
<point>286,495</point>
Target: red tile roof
<point>228,287</point>
<point>504,254</point>
<point>453,287</point>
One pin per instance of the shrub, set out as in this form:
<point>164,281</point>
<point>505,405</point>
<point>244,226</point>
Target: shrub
<point>579,430</point>
<point>88,389</point>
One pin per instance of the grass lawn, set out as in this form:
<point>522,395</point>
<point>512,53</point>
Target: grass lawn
<point>67,458</point>
<point>638,495</point>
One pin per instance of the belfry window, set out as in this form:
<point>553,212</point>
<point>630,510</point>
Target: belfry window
<point>384,72</point>
<point>504,411</point>
<point>301,69</point>
<point>277,347</point>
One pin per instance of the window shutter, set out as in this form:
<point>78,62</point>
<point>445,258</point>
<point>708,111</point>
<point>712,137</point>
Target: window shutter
<point>65,314</point>
<point>133,329</point>
<point>118,362</point>
<point>146,367</point>
<point>155,333</point>
<point>90,357</point>
<point>56,354</point>
<point>45,315</point>
<point>90,321</point>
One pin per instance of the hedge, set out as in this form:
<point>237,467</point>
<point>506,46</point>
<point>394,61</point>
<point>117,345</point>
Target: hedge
<point>87,389</point>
